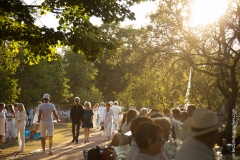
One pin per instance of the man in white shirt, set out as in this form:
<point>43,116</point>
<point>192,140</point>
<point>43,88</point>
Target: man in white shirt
<point>201,130</point>
<point>45,119</point>
<point>100,114</point>
<point>116,111</point>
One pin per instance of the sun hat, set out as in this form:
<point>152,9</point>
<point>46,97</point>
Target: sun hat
<point>201,122</point>
<point>46,96</point>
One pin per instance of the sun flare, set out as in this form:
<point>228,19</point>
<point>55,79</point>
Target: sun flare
<point>207,11</point>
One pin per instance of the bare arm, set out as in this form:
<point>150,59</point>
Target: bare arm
<point>55,115</point>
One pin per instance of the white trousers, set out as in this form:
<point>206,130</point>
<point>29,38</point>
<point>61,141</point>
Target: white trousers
<point>100,119</point>
<point>21,135</point>
<point>116,124</point>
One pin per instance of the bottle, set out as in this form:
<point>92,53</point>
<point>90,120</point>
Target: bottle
<point>224,151</point>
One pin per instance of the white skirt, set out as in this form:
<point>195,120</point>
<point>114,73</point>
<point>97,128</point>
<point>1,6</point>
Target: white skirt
<point>35,119</point>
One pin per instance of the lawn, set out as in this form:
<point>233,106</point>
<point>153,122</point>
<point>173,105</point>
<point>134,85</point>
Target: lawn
<point>62,133</point>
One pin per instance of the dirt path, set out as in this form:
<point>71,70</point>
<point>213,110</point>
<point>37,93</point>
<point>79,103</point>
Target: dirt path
<point>68,150</point>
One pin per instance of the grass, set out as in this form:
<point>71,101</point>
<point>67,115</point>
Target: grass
<point>61,134</point>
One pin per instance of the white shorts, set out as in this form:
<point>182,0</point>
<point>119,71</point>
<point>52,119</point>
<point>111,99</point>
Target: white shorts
<point>46,127</point>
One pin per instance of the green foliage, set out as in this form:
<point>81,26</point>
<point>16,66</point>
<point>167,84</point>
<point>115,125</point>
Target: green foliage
<point>74,29</point>
<point>81,75</point>
<point>44,77</point>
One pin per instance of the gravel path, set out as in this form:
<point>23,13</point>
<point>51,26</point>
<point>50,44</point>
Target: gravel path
<point>68,150</point>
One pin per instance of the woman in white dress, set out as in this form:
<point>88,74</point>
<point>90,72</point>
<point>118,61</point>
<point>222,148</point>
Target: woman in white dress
<point>107,121</point>
<point>10,115</point>
<point>2,122</point>
<point>21,122</point>
<point>95,112</point>
<point>35,119</point>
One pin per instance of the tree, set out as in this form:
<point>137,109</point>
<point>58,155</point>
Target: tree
<point>44,77</point>
<point>212,49</point>
<point>9,89</point>
<point>74,29</point>
<point>81,75</point>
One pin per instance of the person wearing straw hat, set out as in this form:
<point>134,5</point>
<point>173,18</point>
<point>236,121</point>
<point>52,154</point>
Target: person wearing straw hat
<point>201,132</point>
<point>45,119</point>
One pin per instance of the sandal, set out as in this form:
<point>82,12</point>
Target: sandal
<point>85,141</point>
<point>50,153</point>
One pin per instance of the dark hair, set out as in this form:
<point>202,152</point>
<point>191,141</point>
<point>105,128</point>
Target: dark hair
<point>146,131</point>
<point>2,104</point>
<point>156,115</point>
<point>135,123</point>
<point>152,110</point>
<point>131,114</point>
<point>11,108</point>
<point>184,113</point>
<point>166,110</point>
<point>108,104</point>
<point>123,120</point>
<point>192,106</point>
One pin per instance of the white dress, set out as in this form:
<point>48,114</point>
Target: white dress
<point>108,122</point>
<point>35,119</point>
<point>11,132</point>
<point>2,123</point>
<point>95,117</point>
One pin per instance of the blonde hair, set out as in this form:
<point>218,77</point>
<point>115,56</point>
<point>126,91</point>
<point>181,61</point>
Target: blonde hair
<point>88,103</point>
<point>20,104</point>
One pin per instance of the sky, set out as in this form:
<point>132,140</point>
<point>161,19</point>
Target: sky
<point>140,10</point>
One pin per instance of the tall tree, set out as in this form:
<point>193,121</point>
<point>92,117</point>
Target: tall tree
<point>81,75</point>
<point>211,49</point>
<point>74,29</point>
<point>44,77</point>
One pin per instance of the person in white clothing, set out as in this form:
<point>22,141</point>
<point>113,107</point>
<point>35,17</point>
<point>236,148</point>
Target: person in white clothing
<point>10,115</point>
<point>201,131</point>
<point>133,150</point>
<point>100,114</point>
<point>35,118</point>
<point>3,124</point>
<point>131,114</point>
<point>149,143</point>
<point>21,123</point>
<point>31,114</point>
<point>116,111</point>
<point>45,118</point>
<point>95,116</point>
<point>108,121</point>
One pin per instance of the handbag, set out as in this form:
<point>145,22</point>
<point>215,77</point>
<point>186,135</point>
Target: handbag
<point>102,128</point>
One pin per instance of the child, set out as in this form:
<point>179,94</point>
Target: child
<point>2,122</point>
<point>87,120</point>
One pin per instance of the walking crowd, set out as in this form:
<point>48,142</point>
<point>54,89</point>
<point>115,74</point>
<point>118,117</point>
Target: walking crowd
<point>181,134</point>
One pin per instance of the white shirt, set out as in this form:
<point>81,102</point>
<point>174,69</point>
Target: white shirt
<point>194,149</point>
<point>125,127</point>
<point>47,109</point>
<point>116,109</point>
<point>132,151</point>
<point>100,111</point>
<point>161,156</point>
<point>143,156</point>
<point>165,152</point>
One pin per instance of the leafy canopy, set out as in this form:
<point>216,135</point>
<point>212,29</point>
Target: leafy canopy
<point>74,29</point>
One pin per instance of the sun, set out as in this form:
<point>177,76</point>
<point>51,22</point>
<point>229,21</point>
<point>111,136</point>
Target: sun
<point>207,11</point>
